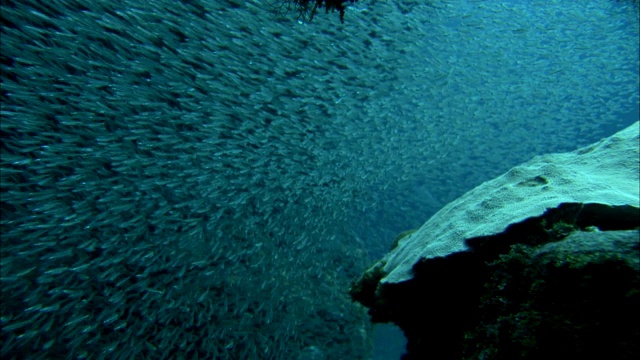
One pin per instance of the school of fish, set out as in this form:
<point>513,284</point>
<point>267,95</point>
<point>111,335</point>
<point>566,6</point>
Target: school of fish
<point>199,179</point>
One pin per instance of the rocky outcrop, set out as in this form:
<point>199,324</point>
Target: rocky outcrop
<point>544,257</point>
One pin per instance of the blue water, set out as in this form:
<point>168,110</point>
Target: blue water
<point>204,179</point>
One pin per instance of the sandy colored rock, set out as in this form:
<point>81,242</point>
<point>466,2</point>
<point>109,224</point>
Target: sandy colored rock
<point>603,173</point>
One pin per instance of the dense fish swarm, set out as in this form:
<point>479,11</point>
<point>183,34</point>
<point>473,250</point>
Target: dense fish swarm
<point>197,179</point>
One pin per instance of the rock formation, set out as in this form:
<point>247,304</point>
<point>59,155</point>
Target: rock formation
<point>544,257</point>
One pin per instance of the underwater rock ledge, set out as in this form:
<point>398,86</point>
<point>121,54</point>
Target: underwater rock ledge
<point>542,262</point>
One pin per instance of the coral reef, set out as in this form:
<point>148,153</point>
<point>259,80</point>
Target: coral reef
<point>505,281</point>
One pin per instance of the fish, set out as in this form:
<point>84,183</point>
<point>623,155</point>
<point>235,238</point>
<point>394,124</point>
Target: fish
<point>162,159</point>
